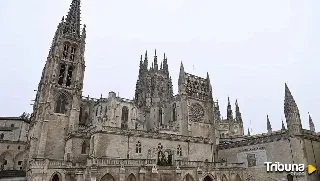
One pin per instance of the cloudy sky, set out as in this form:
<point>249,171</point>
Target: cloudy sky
<point>250,49</point>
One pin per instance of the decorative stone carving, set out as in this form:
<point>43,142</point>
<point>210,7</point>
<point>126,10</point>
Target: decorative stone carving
<point>196,112</point>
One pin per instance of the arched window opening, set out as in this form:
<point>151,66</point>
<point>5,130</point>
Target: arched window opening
<point>80,116</point>
<point>12,125</point>
<point>207,178</point>
<point>131,177</point>
<point>124,117</point>
<point>62,74</point>
<point>222,135</point>
<point>84,148</point>
<point>138,147</point>
<point>69,76</point>
<point>174,112</point>
<point>73,53</point>
<point>160,116</point>
<point>179,150</point>
<point>1,136</point>
<point>65,51</point>
<point>61,104</point>
<point>55,178</point>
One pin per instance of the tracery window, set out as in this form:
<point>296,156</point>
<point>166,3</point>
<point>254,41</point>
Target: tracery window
<point>138,147</point>
<point>174,112</point>
<point>179,150</point>
<point>124,117</point>
<point>62,73</point>
<point>73,52</point>
<point>69,76</point>
<point>61,104</point>
<point>66,50</point>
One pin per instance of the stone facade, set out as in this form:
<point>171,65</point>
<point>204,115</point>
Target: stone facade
<point>157,136</point>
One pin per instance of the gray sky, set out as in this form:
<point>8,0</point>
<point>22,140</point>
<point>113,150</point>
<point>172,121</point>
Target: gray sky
<point>250,49</point>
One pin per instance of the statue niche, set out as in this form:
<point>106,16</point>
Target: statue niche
<point>165,158</point>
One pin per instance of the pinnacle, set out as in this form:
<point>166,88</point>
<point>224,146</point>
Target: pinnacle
<point>289,102</point>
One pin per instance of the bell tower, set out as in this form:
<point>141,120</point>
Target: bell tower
<point>57,104</point>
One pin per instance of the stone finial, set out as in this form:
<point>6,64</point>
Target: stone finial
<point>269,128</point>
<point>311,124</point>
<point>238,113</point>
<point>229,111</point>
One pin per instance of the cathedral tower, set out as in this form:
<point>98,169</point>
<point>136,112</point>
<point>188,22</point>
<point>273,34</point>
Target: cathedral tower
<point>154,92</point>
<point>292,114</point>
<point>56,108</point>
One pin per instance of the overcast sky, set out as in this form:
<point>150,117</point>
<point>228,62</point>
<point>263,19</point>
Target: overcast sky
<point>250,49</point>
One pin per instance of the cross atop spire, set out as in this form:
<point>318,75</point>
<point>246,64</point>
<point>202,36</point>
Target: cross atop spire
<point>73,19</point>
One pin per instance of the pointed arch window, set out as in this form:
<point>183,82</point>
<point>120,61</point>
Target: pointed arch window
<point>73,53</point>
<point>124,117</point>
<point>138,147</point>
<point>62,73</point>
<point>174,112</point>
<point>69,76</point>
<point>1,136</point>
<point>61,104</point>
<point>160,116</point>
<point>179,150</point>
<point>66,50</point>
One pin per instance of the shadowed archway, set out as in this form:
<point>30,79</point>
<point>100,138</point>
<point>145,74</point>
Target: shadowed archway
<point>107,177</point>
<point>56,177</point>
<point>188,177</point>
<point>131,177</point>
<point>207,178</point>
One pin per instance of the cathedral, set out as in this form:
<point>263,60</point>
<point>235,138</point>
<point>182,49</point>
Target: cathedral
<point>156,136</point>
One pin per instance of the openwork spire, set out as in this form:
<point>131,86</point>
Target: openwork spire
<point>72,24</point>
<point>291,113</point>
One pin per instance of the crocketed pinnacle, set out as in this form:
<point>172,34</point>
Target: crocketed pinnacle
<point>290,105</point>
<point>73,18</point>
<point>269,128</point>
<point>311,124</point>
